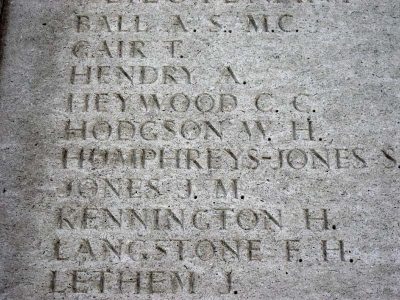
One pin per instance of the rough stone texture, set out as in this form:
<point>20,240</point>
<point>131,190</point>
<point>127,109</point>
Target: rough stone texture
<point>329,65</point>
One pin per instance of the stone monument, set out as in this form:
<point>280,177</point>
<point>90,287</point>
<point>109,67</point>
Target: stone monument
<point>200,149</point>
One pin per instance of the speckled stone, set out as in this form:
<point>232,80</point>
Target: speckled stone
<point>197,149</point>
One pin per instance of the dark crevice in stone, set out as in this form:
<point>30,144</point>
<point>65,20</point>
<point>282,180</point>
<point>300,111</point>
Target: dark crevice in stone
<point>4,8</point>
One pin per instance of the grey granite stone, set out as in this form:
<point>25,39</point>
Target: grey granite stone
<point>196,149</point>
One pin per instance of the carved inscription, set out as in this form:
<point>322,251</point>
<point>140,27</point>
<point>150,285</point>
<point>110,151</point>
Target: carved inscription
<point>171,164</point>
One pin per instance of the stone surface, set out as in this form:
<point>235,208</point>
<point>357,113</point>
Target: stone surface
<point>191,150</point>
